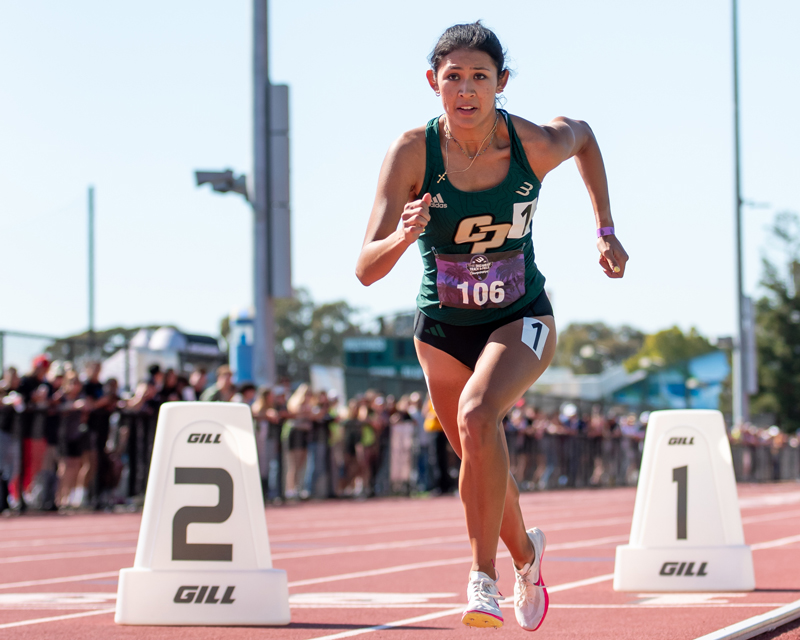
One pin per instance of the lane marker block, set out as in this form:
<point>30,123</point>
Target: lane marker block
<point>686,533</point>
<point>203,555</point>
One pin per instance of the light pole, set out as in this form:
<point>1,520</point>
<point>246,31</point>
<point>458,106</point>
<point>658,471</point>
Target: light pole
<point>269,198</point>
<point>90,247</point>
<point>264,325</point>
<point>263,344</point>
<point>741,408</point>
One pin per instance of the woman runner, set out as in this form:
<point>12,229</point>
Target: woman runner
<point>465,188</point>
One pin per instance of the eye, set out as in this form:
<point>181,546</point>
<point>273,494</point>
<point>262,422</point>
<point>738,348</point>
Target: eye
<point>480,76</point>
<point>452,76</point>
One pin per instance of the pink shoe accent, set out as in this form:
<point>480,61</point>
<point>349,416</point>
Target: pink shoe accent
<point>540,583</point>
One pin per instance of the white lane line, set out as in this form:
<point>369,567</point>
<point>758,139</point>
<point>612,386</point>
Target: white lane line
<point>559,526</point>
<point>404,544</point>
<point>708,605</point>
<point>68,555</point>
<point>595,542</point>
<point>552,513</point>
<point>771,516</point>
<point>780,542</point>
<point>770,500</point>
<point>450,612</point>
<point>298,583</point>
<point>510,605</point>
<point>418,605</point>
<point>391,625</point>
<point>70,616</point>
<point>359,548</point>
<point>377,572</point>
<point>606,522</point>
<point>288,554</point>
<point>579,583</point>
<point>43,581</point>
<point>752,626</point>
<point>380,572</point>
<point>75,540</point>
<point>450,561</point>
<point>506,604</point>
<point>337,533</point>
<point>756,625</point>
<point>62,531</point>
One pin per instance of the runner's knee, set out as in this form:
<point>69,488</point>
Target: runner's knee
<point>477,426</point>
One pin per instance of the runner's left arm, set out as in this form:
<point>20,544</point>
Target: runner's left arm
<point>565,138</point>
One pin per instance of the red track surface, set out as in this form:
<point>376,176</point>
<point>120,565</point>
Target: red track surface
<point>353,566</point>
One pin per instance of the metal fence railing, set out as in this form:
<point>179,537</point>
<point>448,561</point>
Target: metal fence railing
<point>404,460</point>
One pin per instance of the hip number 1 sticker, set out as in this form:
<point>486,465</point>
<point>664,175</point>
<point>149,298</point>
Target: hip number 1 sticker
<point>534,334</point>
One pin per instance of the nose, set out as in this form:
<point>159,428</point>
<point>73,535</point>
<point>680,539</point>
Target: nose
<point>467,88</point>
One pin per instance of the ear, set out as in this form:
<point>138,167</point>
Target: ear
<point>432,80</point>
<point>502,80</point>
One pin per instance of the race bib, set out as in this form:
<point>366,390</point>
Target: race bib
<point>480,281</point>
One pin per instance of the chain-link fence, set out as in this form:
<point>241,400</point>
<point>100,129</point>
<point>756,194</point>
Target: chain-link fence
<point>17,350</point>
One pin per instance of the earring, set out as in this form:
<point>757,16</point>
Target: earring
<point>437,93</point>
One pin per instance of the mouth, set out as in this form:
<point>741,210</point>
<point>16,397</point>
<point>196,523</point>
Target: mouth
<point>466,110</point>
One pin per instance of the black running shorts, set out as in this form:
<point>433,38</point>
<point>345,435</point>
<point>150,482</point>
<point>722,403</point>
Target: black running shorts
<point>465,343</point>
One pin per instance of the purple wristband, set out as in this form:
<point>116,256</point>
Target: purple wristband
<point>605,231</point>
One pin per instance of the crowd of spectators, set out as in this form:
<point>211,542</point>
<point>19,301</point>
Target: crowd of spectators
<point>764,454</point>
<point>310,444</point>
<point>70,415</point>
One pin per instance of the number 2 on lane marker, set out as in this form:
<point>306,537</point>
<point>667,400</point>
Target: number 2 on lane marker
<point>534,334</point>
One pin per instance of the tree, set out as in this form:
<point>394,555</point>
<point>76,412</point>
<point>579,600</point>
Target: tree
<point>778,329</point>
<point>306,333</point>
<point>591,347</point>
<point>669,347</point>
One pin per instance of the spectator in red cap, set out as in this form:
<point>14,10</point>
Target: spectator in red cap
<point>33,387</point>
<point>34,390</point>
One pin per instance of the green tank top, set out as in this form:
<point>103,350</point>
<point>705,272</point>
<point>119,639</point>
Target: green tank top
<point>493,221</point>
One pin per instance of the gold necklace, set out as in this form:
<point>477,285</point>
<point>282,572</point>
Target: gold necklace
<point>481,149</point>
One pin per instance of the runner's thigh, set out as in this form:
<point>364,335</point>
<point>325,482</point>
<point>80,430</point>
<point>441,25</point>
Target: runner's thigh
<point>446,378</point>
<point>513,359</point>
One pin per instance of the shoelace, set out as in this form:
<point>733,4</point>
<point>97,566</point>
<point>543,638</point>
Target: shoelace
<point>522,586</point>
<point>480,590</point>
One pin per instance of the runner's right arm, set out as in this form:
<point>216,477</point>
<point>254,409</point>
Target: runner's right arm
<point>401,177</point>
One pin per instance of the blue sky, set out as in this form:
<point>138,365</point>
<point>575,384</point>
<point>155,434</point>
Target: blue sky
<point>132,98</point>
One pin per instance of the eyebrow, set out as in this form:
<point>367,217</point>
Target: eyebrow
<point>455,66</point>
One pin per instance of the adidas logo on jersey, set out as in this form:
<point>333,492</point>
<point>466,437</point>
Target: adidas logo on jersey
<point>436,329</point>
<point>437,202</point>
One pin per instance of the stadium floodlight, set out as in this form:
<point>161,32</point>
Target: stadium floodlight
<point>223,181</point>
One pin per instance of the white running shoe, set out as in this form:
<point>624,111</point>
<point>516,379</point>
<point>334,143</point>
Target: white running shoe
<point>483,609</point>
<point>530,594</point>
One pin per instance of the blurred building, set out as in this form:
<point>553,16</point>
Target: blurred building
<point>693,384</point>
<point>386,362</point>
<point>167,347</point>
<point>561,382</point>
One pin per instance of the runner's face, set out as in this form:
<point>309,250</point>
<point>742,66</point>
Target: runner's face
<point>468,82</point>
